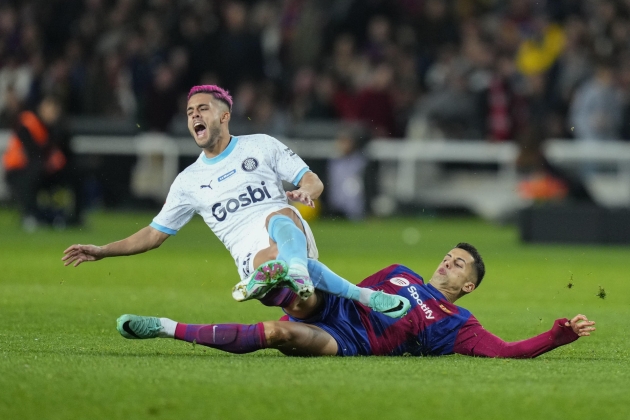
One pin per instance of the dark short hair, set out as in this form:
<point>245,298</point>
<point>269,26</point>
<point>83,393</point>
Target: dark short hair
<point>480,267</point>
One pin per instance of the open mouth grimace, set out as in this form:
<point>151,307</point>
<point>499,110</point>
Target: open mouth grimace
<point>199,128</point>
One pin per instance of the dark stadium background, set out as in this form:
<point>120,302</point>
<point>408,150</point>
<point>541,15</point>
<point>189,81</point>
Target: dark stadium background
<point>517,72</point>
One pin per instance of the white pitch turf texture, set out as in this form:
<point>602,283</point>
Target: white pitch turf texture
<point>62,358</point>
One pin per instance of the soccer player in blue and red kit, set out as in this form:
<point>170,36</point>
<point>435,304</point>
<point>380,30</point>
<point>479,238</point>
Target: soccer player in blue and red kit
<point>326,324</point>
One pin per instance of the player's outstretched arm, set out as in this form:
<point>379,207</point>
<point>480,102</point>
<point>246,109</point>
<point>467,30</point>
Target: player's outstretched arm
<point>144,240</point>
<point>474,340</point>
<point>311,188</point>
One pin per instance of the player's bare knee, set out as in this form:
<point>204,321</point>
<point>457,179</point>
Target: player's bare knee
<point>275,213</point>
<point>267,254</point>
<point>277,333</point>
<point>285,212</point>
<point>302,309</point>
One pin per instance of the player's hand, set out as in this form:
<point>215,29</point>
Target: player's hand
<point>581,325</point>
<point>82,253</point>
<point>301,196</point>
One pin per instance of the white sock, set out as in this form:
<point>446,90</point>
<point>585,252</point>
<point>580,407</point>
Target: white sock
<point>358,294</point>
<point>298,269</point>
<point>364,295</point>
<point>168,328</point>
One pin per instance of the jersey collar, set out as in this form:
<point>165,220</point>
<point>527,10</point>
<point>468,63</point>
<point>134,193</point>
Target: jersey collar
<point>218,158</point>
<point>435,292</point>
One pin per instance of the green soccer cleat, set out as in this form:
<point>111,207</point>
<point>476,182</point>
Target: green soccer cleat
<point>393,306</point>
<point>138,327</point>
<point>299,280</point>
<point>265,278</point>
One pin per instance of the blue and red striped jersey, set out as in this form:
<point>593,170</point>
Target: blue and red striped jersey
<point>429,328</point>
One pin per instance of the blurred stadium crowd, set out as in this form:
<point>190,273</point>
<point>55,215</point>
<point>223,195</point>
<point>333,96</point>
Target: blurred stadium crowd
<point>467,69</point>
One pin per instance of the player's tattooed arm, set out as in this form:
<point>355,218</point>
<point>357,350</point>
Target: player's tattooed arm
<point>310,188</point>
<point>144,240</point>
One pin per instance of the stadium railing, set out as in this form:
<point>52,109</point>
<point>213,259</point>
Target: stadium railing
<point>404,175</point>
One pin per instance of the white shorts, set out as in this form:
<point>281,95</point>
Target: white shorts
<point>259,240</point>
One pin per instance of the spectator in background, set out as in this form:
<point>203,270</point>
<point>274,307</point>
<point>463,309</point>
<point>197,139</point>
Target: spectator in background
<point>624,81</point>
<point>503,101</point>
<point>449,109</point>
<point>15,83</point>
<point>597,106</point>
<point>574,65</point>
<point>436,28</point>
<point>302,92</point>
<point>376,103</point>
<point>541,47</point>
<point>404,93</point>
<point>379,42</point>
<point>345,62</point>
<point>108,89</point>
<point>101,56</point>
<point>77,76</point>
<point>266,118</point>
<point>322,104</point>
<point>266,20</point>
<point>540,181</point>
<point>35,159</point>
<point>312,95</point>
<point>137,61</point>
<point>192,37</point>
<point>301,26</point>
<point>244,102</point>
<point>539,113</point>
<point>56,81</point>
<point>346,185</point>
<point>162,99</point>
<point>349,70</point>
<point>239,51</point>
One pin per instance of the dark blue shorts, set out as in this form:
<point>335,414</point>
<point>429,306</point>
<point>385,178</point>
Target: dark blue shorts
<point>340,318</point>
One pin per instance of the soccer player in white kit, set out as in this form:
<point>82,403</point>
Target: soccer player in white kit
<point>236,186</point>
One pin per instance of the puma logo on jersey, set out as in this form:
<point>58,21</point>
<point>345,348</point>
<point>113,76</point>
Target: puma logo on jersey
<point>207,186</point>
<point>253,195</point>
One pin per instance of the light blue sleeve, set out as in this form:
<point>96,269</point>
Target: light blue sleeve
<point>176,212</point>
<point>288,165</point>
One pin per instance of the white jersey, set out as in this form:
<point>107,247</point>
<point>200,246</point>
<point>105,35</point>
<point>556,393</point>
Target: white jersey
<point>233,192</point>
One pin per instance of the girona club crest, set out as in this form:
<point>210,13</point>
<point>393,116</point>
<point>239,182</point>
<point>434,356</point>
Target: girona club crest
<point>249,164</point>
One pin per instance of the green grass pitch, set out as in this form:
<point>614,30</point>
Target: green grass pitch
<point>62,358</point>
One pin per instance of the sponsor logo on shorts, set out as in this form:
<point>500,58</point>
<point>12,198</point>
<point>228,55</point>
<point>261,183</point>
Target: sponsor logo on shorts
<point>245,268</point>
<point>227,175</point>
<point>399,281</point>
<point>249,164</point>
<point>428,313</point>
